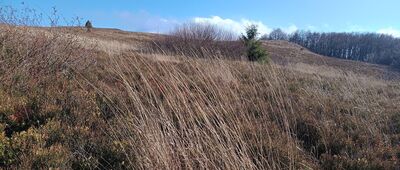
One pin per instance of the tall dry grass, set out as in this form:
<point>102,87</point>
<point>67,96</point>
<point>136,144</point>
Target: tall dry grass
<point>200,114</point>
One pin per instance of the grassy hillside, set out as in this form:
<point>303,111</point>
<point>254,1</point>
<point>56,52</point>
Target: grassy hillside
<point>76,100</point>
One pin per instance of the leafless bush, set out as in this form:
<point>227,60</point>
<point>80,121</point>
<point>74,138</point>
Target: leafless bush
<point>34,52</point>
<point>199,40</point>
<point>33,62</point>
<point>25,16</point>
<point>202,32</point>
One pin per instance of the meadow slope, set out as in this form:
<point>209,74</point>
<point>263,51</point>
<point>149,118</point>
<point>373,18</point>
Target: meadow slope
<point>71,99</point>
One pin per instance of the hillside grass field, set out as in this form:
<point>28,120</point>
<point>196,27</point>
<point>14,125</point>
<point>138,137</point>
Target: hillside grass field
<point>72,99</point>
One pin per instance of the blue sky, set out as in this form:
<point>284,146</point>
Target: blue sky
<point>381,16</point>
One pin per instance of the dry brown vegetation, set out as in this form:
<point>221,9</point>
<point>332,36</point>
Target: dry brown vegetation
<point>197,41</point>
<point>76,100</point>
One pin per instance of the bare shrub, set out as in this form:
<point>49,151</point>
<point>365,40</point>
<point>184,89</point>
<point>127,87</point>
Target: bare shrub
<point>37,65</point>
<point>199,40</point>
<point>202,32</point>
<point>25,16</point>
<point>32,52</point>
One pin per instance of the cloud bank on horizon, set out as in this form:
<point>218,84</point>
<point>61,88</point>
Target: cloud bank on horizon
<point>239,27</point>
<point>390,31</point>
<point>145,22</point>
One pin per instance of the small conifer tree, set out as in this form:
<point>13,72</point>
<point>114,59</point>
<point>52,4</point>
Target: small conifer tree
<point>88,26</point>
<point>254,50</point>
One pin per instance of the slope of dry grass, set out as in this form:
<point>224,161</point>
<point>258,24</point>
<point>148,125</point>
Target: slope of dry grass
<point>67,103</point>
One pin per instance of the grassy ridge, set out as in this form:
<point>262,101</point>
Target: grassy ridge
<point>66,101</point>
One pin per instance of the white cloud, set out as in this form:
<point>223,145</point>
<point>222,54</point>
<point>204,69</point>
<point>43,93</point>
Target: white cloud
<point>290,29</point>
<point>356,28</point>
<point>390,31</point>
<point>311,28</point>
<point>232,25</point>
<point>326,26</point>
<point>144,22</point>
<point>239,27</point>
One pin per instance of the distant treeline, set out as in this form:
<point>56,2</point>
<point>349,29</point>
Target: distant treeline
<point>367,47</point>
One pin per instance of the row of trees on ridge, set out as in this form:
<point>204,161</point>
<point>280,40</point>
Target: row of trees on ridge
<point>368,47</point>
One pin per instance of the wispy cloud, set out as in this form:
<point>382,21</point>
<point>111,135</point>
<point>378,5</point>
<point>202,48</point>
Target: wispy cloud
<point>390,31</point>
<point>145,22</point>
<point>232,25</point>
<point>239,26</point>
<point>356,28</point>
<point>311,28</point>
<point>291,29</point>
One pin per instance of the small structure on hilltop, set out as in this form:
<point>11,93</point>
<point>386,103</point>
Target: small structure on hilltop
<point>88,26</point>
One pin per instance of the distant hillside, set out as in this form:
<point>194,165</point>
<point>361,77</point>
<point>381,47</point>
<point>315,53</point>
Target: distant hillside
<point>367,47</point>
<point>281,52</point>
<point>284,52</point>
